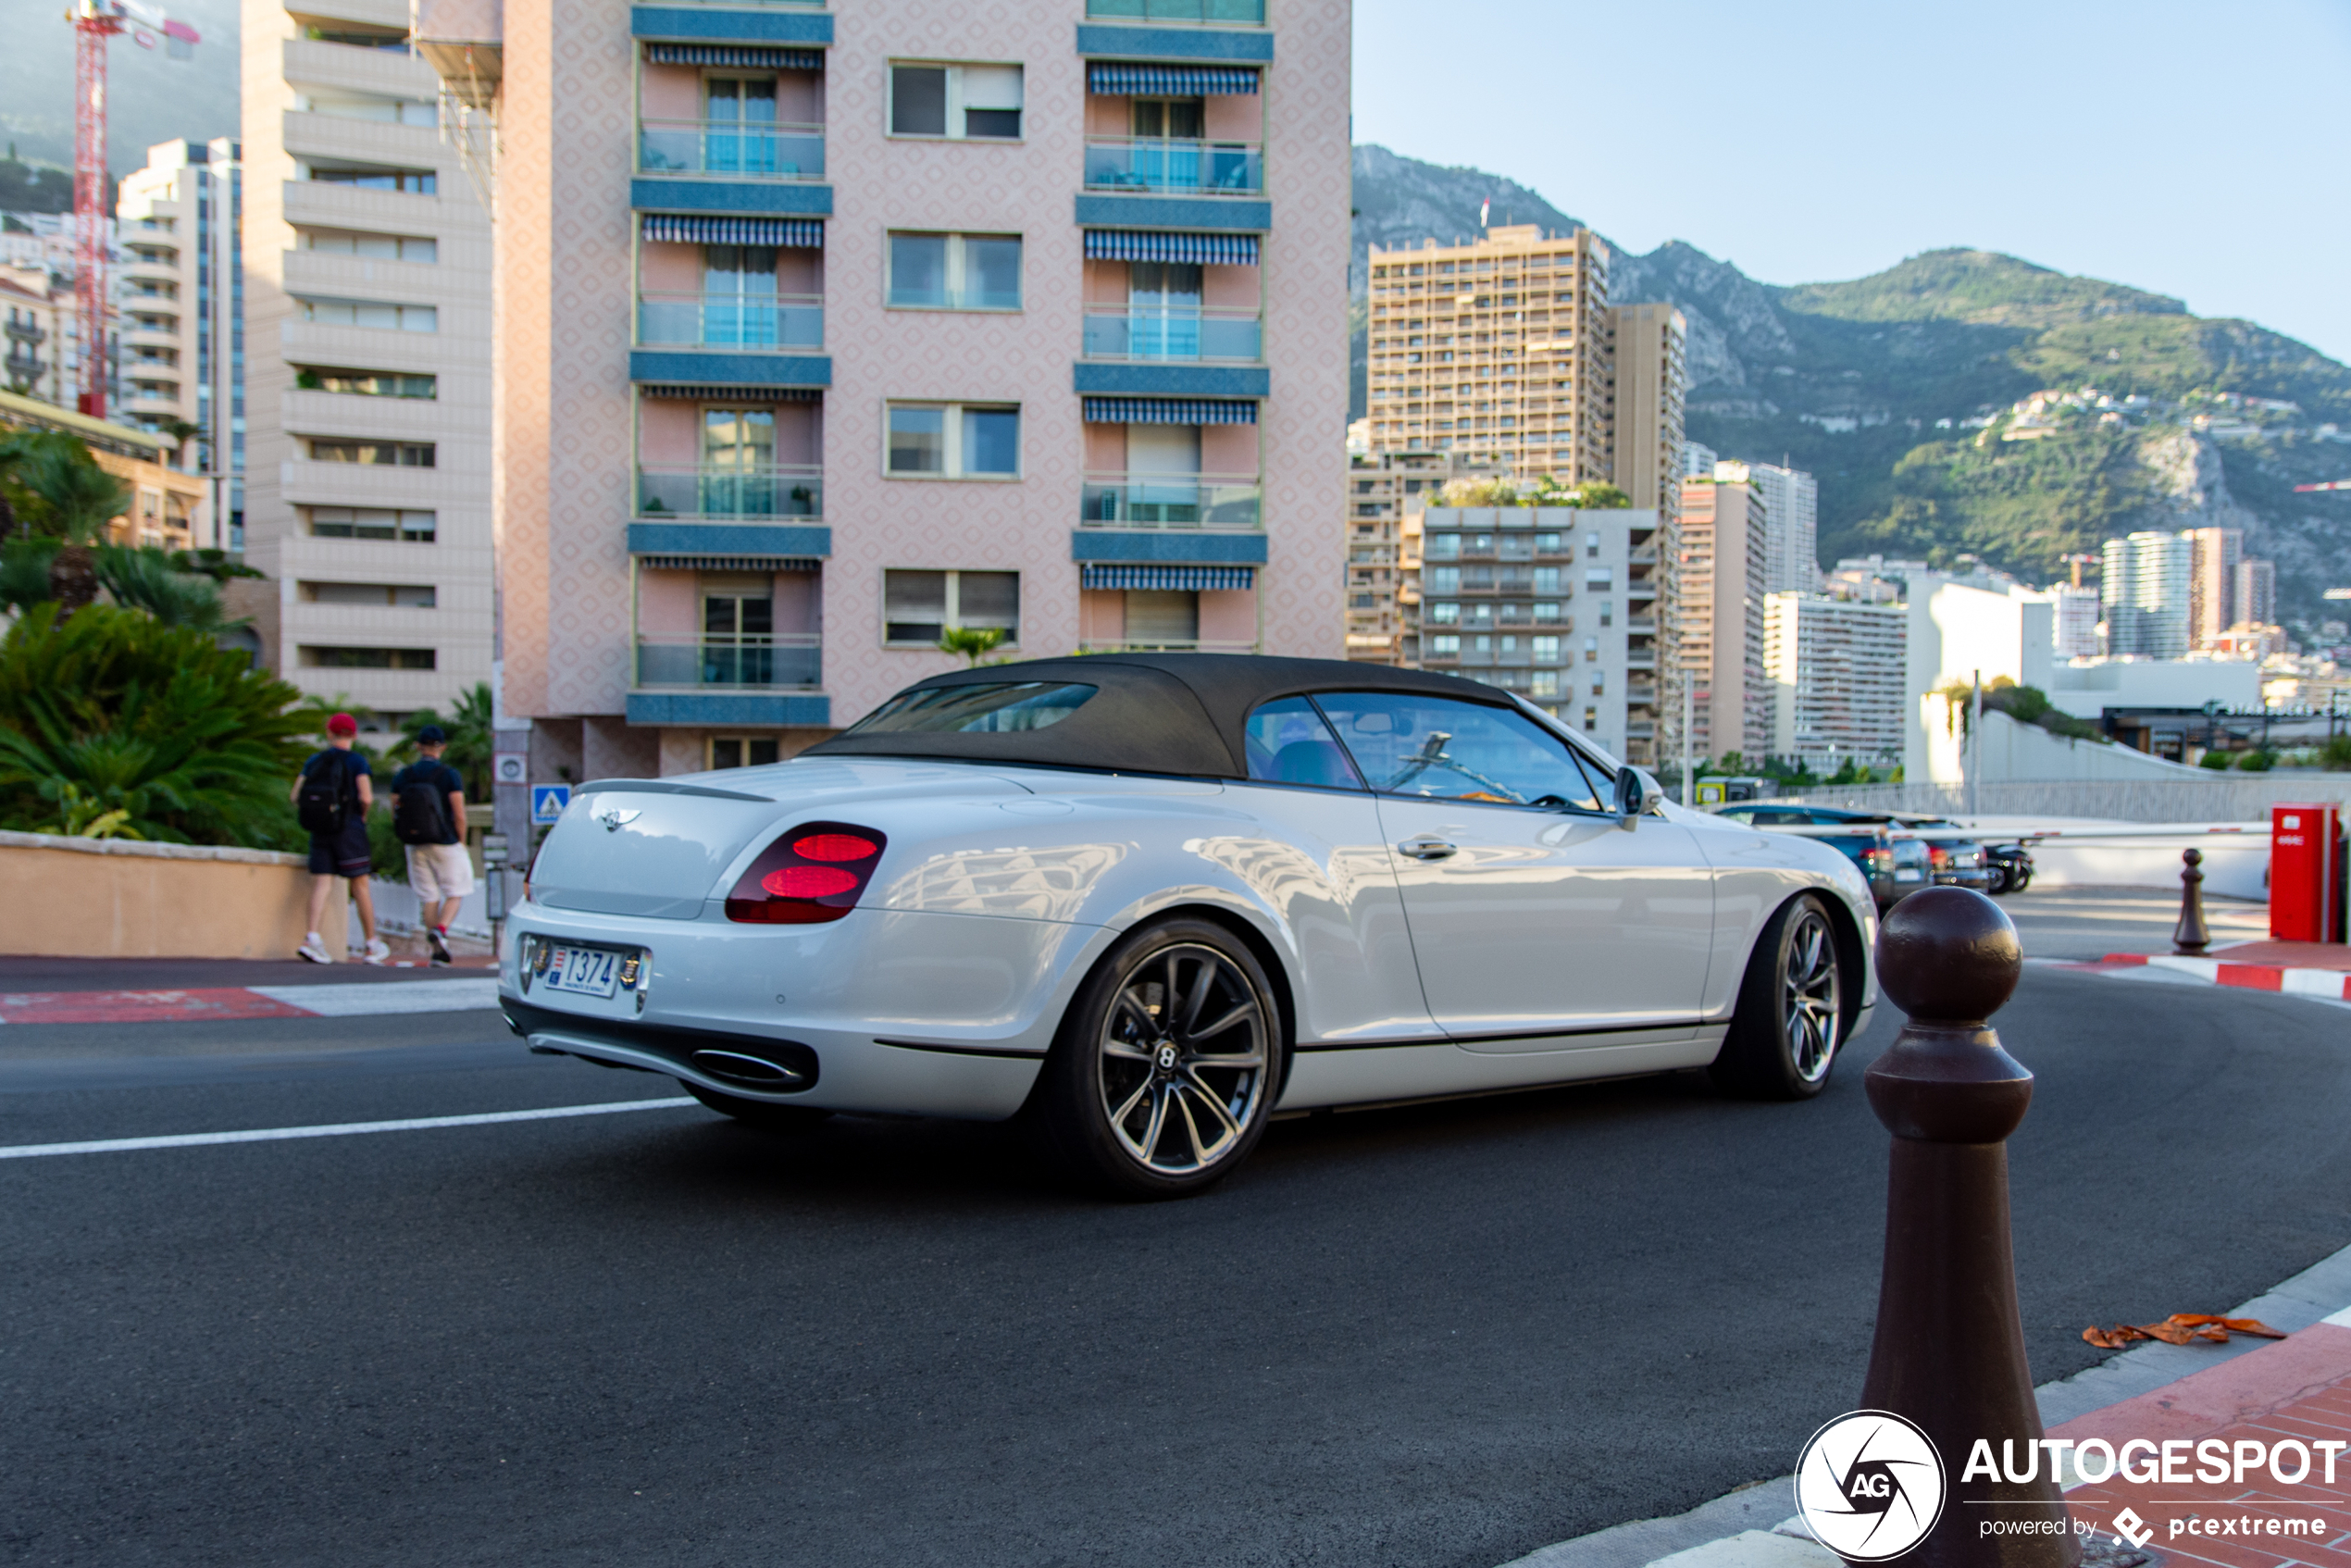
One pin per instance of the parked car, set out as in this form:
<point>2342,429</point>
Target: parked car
<point>1955,862</point>
<point>1143,900</point>
<point>1895,865</point>
<point>2012,867</point>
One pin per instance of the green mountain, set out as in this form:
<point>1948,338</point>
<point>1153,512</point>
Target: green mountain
<point>1898,389</point>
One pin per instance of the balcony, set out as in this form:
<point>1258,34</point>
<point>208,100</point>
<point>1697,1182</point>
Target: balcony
<point>25,367</point>
<point>1170,166</point>
<point>692,492</point>
<point>1194,336</point>
<point>730,321</point>
<point>1197,13</point>
<point>28,332</point>
<point>722,150</point>
<point>1227,502</point>
<point>1172,645</point>
<point>737,664</point>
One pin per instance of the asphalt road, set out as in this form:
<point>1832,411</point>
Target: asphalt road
<point>1437,1337</point>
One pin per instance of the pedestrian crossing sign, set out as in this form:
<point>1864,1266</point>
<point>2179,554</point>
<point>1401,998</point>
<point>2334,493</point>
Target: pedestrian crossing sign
<point>547,802</point>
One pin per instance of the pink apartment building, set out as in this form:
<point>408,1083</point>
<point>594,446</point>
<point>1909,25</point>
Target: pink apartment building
<point>821,332</point>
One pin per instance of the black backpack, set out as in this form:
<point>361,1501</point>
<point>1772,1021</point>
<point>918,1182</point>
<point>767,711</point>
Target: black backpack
<point>320,807</point>
<point>419,815</point>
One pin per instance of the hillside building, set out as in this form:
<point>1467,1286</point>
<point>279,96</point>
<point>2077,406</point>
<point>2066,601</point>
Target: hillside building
<point>1698,460</point>
<point>2254,597</point>
<point>1791,512</point>
<point>1837,670</point>
<point>1721,578</point>
<point>827,332</point>
<point>181,292</point>
<point>368,473</point>
<point>2214,555</point>
<point>2144,587</point>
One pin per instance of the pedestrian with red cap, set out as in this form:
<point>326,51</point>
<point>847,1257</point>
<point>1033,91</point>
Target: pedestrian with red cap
<point>332,798</point>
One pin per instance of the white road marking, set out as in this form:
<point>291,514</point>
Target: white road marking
<point>339,1130</point>
<point>414,996</point>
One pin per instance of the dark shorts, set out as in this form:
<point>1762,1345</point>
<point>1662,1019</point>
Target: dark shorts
<point>341,854</point>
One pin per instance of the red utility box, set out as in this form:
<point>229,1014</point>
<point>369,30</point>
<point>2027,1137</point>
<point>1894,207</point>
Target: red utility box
<point>2306,873</point>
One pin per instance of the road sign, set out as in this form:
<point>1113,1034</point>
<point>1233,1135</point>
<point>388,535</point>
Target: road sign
<point>547,802</point>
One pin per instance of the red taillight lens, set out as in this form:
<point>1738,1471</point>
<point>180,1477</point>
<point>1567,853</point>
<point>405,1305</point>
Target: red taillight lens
<point>811,875</point>
<point>1939,856</point>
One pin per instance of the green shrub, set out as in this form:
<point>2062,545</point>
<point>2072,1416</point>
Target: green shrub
<point>2256,761</point>
<point>114,712</point>
<point>2220,762</point>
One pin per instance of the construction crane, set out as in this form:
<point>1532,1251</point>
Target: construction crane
<point>94,21</point>
<point>2330,484</point>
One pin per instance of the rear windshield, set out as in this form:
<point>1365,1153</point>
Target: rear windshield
<point>974,709</point>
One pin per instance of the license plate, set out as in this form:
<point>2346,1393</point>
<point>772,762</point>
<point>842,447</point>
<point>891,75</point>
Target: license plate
<point>1912,875</point>
<point>585,971</point>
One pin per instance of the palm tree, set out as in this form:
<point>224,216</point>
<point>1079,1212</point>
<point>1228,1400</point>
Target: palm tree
<point>974,642</point>
<point>76,499</point>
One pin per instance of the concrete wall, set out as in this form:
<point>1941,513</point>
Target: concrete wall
<point>2012,753</point>
<point>89,898</point>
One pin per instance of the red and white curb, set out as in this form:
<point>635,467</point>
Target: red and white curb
<point>232,1003</point>
<point>2328,985</point>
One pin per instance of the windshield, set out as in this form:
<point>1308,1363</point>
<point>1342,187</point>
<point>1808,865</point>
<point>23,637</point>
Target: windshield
<point>974,709</point>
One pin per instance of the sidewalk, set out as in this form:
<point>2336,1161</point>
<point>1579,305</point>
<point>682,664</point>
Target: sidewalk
<point>180,991</point>
<point>2319,969</point>
<point>2248,1390</point>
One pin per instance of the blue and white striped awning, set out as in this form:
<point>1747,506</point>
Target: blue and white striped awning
<point>736,54</point>
<point>1169,579</point>
<point>1169,411</point>
<point>730,564</point>
<point>1169,81</point>
<point>1140,245</point>
<point>734,394</point>
<point>790,233</point>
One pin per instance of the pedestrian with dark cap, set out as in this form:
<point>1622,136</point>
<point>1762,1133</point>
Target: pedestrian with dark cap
<point>429,816</point>
<point>332,798</point>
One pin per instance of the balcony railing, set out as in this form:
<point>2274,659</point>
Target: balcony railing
<point>689,490</point>
<point>1167,645</point>
<point>1204,13</point>
<point>1173,501</point>
<point>731,150</point>
<point>1162,335</point>
<point>1173,163</point>
<point>785,658</point>
<point>769,321</point>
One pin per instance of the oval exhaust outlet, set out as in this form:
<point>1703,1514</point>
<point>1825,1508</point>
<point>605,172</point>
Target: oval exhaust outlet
<point>751,1071</point>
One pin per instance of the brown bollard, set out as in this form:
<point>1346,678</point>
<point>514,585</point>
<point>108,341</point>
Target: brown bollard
<point>1949,1352</point>
<point>2191,937</point>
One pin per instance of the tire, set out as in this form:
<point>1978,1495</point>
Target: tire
<point>2023,881</point>
<point>1999,880</point>
<point>1790,1024</point>
<point>1145,1097</point>
<point>759,1114</point>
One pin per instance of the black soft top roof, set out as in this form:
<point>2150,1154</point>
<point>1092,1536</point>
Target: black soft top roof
<point>1151,713</point>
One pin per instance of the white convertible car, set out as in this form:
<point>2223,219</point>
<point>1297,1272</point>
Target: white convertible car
<point>1146,901</point>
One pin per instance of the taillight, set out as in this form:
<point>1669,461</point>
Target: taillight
<point>811,875</point>
<point>1939,857</point>
<point>1879,857</point>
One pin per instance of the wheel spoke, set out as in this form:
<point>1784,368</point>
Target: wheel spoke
<point>1196,999</point>
<point>1202,997</point>
<point>1137,1010</point>
<point>1159,1119</point>
<point>1118,1117</point>
<point>1191,1126</point>
<point>1124,1051</point>
<point>1247,1009</point>
<point>1207,1095</point>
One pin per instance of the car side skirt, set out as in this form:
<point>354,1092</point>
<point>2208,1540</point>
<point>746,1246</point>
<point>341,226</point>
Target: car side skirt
<point>1421,1071</point>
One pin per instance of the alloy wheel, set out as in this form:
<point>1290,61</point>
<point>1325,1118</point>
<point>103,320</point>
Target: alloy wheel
<point>1183,1059</point>
<point>1809,991</point>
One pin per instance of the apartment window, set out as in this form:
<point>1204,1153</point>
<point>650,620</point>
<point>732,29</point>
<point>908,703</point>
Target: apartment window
<point>375,177</point>
<point>363,313</point>
<point>375,247</point>
<point>741,750</point>
<point>953,440</point>
<point>1608,614</point>
<point>918,608</point>
<point>1444,547</point>
<point>1546,683</point>
<point>1546,650</point>
<point>1546,610</point>
<point>400,595</point>
<point>1592,546</point>
<point>1251,12</point>
<point>1445,614</point>
<point>955,271</point>
<point>1591,649</point>
<point>955,102</point>
<point>1445,646</point>
<point>407,526</point>
<point>1444,580</point>
<point>1601,576</point>
<point>1548,579</point>
<point>315,658</point>
<point>367,383</point>
<point>379,453</point>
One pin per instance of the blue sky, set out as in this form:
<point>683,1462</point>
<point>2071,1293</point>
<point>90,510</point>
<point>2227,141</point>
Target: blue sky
<point>2197,151</point>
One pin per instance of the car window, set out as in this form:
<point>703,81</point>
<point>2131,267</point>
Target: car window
<point>1437,748</point>
<point>1289,744</point>
<point>1743,814</point>
<point>976,710</point>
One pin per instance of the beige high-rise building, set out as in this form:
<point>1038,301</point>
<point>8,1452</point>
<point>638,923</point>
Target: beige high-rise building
<point>2213,557</point>
<point>1837,670</point>
<point>1721,591</point>
<point>367,306</point>
<point>183,332</point>
<point>1652,377</point>
<point>1498,350</point>
<point>1386,495</point>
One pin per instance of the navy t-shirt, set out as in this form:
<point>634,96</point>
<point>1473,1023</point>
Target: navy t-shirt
<point>355,767</point>
<point>445,781</point>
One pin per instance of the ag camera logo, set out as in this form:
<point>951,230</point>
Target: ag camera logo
<point>1870,1486</point>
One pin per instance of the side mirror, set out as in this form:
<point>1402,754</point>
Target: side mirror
<point>1637,794</point>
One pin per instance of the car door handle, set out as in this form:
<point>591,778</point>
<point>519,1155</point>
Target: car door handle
<point>1425,847</point>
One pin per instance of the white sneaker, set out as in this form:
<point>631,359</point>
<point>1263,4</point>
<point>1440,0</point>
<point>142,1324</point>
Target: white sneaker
<point>313,949</point>
<point>377,950</point>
